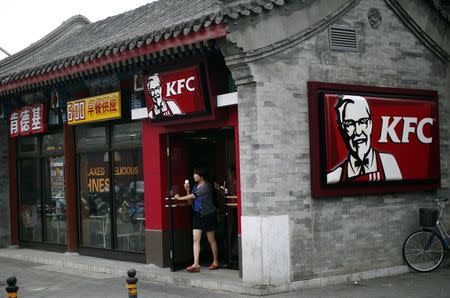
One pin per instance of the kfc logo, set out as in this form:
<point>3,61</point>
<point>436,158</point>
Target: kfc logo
<point>363,163</point>
<point>374,139</point>
<point>161,106</point>
<point>174,93</point>
<point>366,139</point>
<point>388,129</point>
<point>176,87</point>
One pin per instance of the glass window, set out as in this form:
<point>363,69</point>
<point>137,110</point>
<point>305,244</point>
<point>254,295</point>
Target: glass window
<point>30,199</point>
<point>55,200</point>
<point>91,137</point>
<point>111,187</point>
<point>95,199</point>
<point>129,194</point>
<point>127,134</point>
<point>53,143</point>
<point>28,145</point>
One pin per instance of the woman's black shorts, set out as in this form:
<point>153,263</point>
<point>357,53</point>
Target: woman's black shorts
<point>207,222</point>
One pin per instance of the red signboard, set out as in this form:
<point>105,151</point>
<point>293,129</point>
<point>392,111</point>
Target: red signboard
<point>373,139</point>
<point>28,120</point>
<point>174,94</point>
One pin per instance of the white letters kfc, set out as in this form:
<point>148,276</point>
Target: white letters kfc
<point>410,126</point>
<point>176,87</point>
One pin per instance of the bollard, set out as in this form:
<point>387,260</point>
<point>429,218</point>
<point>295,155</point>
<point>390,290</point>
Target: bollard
<point>12,289</point>
<point>132,283</point>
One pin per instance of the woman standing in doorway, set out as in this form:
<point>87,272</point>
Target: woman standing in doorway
<point>204,218</point>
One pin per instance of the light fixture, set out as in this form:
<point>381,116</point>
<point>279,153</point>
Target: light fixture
<point>54,115</point>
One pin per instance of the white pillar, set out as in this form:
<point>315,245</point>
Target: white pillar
<point>266,255</point>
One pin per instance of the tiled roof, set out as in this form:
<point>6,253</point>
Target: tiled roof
<point>78,41</point>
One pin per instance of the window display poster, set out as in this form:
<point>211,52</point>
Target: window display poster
<point>57,177</point>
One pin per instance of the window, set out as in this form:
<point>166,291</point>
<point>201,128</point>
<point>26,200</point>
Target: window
<point>95,199</point>
<point>111,196</point>
<point>127,134</point>
<point>30,199</point>
<point>42,198</point>
<point>89,138</point>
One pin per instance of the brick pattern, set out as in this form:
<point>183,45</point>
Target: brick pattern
<point>339,235</point>
<point>4,188</point>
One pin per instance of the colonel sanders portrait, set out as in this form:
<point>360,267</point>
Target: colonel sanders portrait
<point>161,106</point>
<point>363,163</point>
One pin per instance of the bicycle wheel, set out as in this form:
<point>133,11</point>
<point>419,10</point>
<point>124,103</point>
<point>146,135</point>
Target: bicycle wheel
<point>423,251</point>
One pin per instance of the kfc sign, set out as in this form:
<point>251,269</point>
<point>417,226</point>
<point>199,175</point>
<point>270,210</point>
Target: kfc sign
<point>373,139</point>
<point>175,93</point>
<point>28,120</point>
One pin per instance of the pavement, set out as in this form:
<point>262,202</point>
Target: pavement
<point>37,278</point>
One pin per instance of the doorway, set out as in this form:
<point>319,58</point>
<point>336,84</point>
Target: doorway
<point>213,151</point>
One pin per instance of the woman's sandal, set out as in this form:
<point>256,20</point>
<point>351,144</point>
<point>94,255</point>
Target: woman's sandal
<point>213,267</point>
<point>193,269</point>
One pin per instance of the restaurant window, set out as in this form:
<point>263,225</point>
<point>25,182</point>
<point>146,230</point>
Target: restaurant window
<point>42,200</point>
<point>111,187</point>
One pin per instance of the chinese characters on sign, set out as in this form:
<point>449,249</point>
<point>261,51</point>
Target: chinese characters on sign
<point>364,138</point>
<point>175,93</point>
<point>97,108</point>
<point>28,120</point>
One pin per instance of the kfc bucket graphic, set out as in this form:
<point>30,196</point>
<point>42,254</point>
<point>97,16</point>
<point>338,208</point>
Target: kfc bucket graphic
<point>176,93</point>
<point>376,142</point>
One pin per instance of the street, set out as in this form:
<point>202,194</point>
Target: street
<point>36,280</point>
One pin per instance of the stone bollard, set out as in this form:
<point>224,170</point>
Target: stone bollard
<point>12,289</point>
<point>132,283</point>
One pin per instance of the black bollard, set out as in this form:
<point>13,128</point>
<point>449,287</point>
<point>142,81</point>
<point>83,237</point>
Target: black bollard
<point>12,289</point>
<point>132,283</point>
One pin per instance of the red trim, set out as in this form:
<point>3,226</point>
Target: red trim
<point>13,202</point>
<point>315,147</point>
<point>71,197</point>
<point>211,32</point>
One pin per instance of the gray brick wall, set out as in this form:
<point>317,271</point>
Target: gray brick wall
<point>332,236</point>
<point>4,190</point>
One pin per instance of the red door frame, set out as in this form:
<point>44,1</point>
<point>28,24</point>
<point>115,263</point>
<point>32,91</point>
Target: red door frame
<point>155,161</point>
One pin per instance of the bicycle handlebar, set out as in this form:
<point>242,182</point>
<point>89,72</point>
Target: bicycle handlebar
<point>440,201</point>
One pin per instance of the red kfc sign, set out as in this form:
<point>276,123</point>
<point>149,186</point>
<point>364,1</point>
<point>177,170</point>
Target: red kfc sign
<point>28,120</point>
<point>175,93</point>
<point>373,139</point>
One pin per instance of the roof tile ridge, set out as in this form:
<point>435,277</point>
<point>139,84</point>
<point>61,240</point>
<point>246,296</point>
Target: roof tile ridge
<point>65,27</point>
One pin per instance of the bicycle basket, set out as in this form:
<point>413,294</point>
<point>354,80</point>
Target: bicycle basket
<point>428,217</point>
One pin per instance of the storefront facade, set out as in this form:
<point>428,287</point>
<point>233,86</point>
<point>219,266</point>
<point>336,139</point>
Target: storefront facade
<point>318,236</point>
<point>273,144</point>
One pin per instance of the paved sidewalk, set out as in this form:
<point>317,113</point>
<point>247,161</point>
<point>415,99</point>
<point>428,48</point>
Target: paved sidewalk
<point>47,274</point>
<point>50,281</point>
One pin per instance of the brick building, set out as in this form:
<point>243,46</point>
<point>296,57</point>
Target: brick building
<point>255,61</point>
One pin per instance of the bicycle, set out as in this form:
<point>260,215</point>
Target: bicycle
<point>424,249</point>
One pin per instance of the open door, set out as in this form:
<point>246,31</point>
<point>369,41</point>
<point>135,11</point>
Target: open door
<point>179,213</point>
<point>212,150</point>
